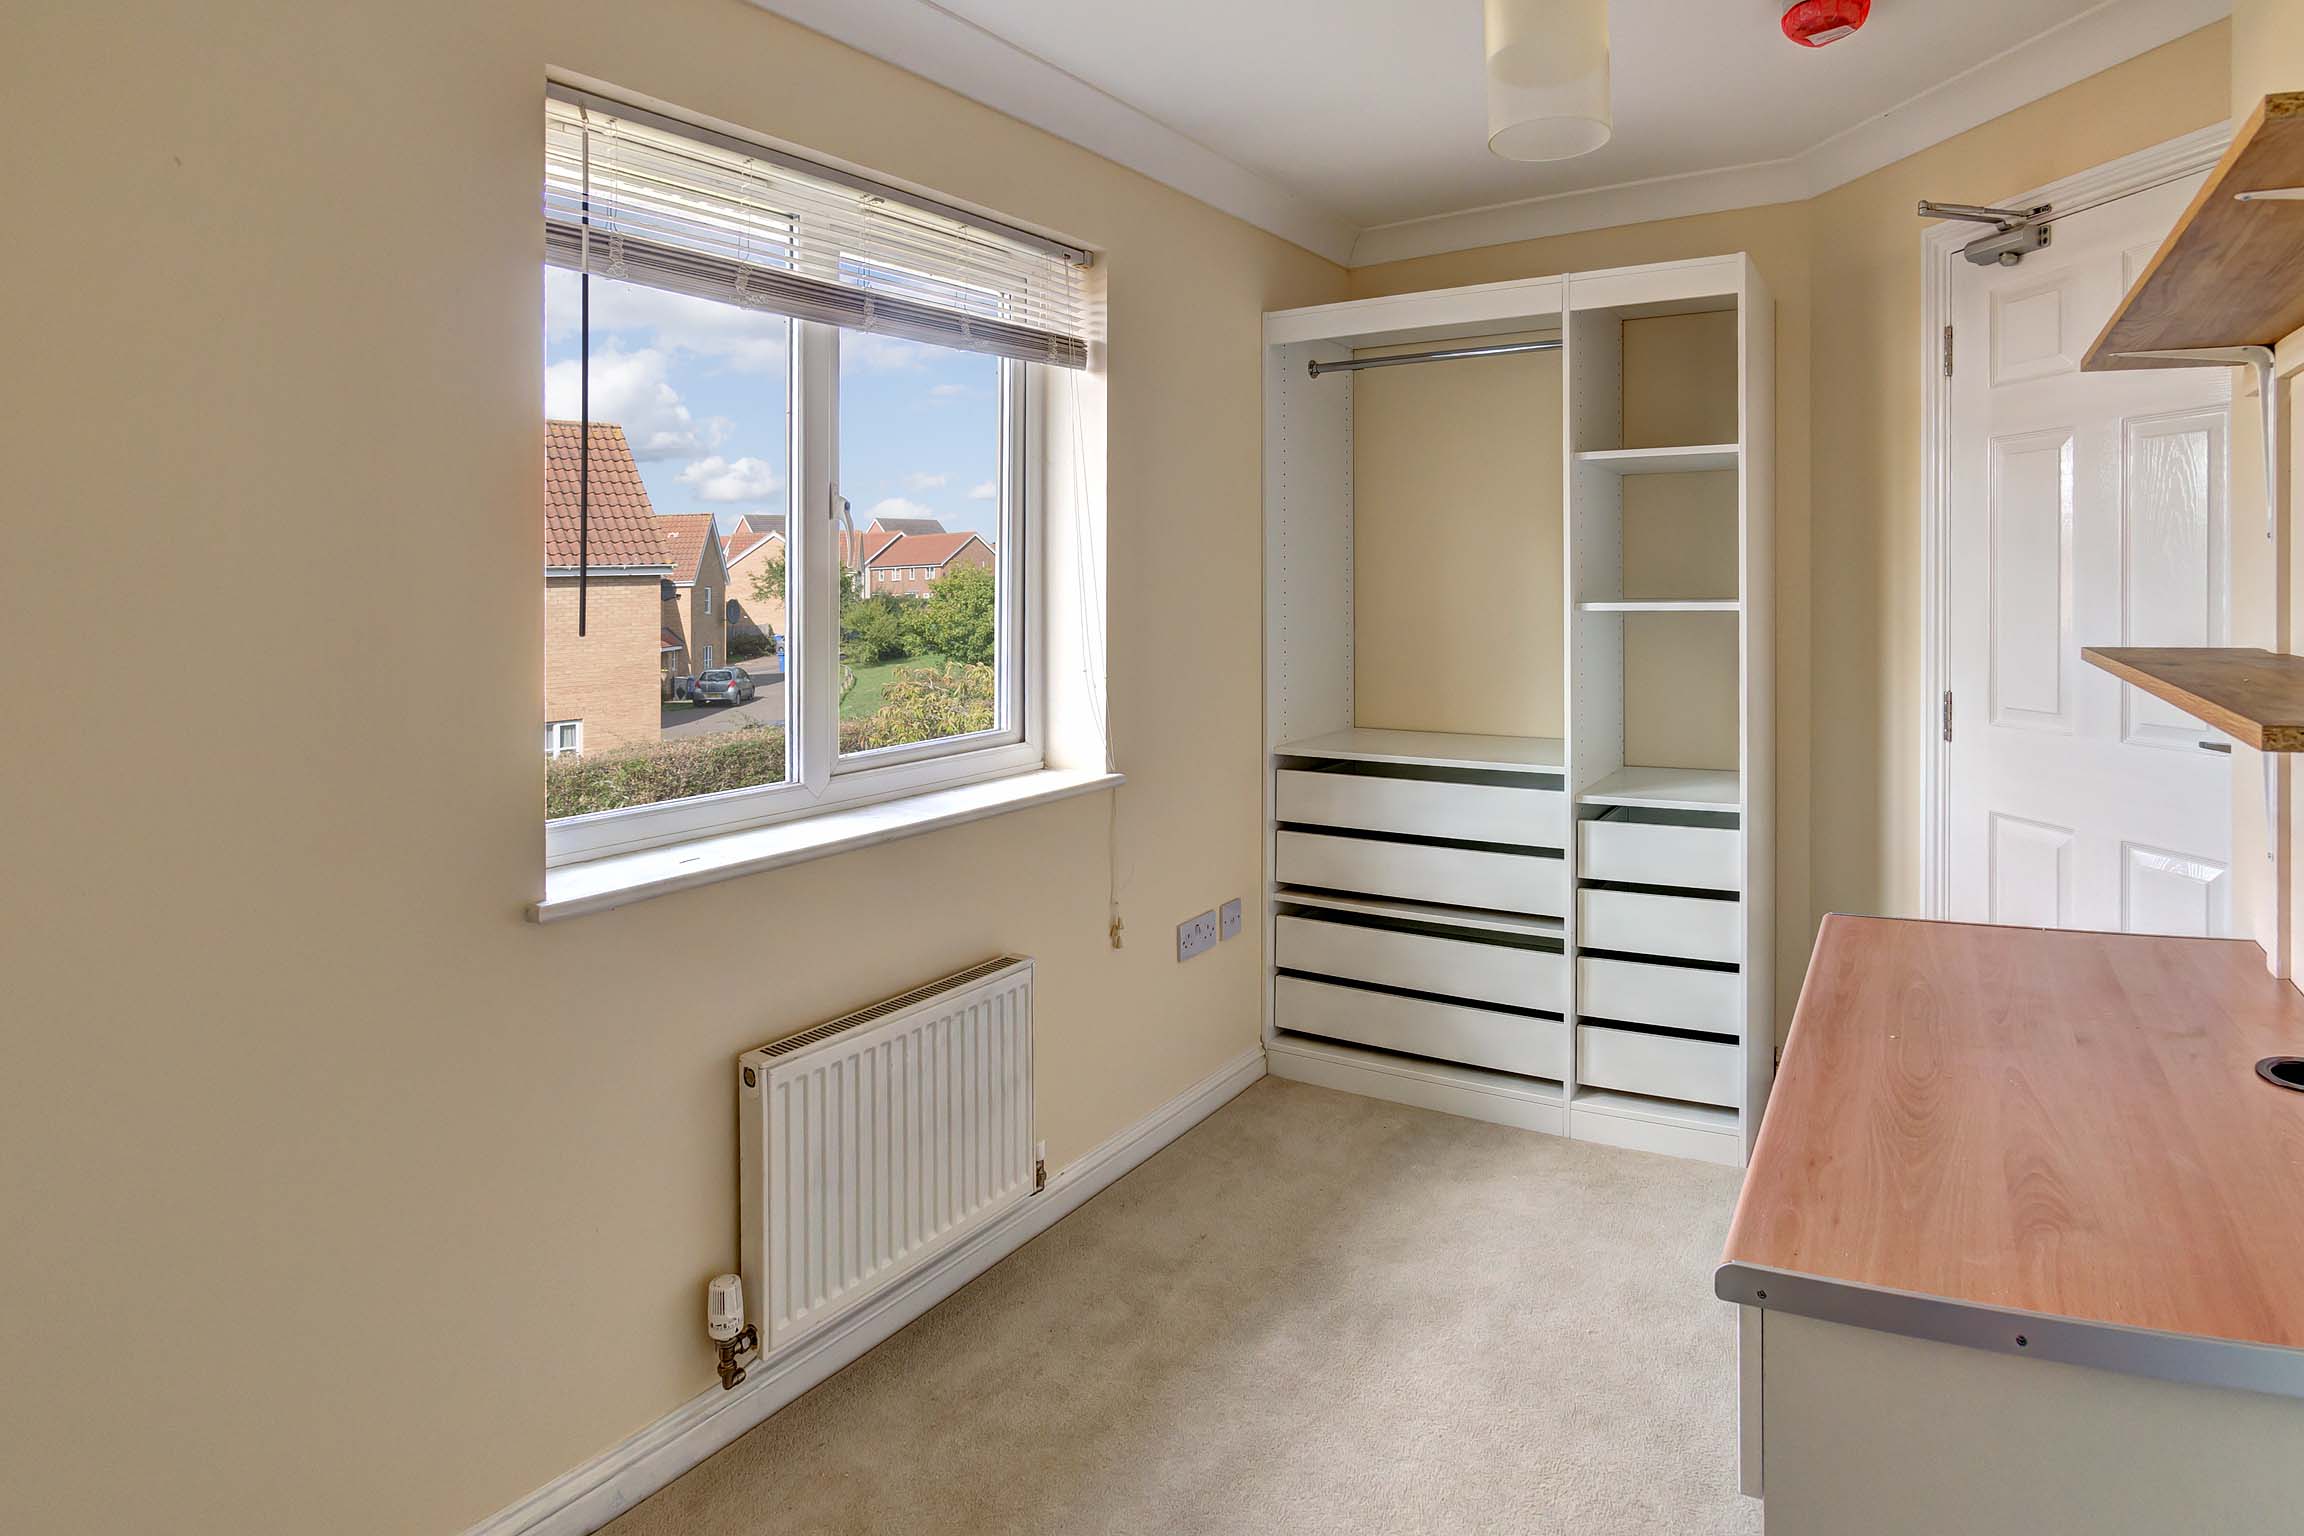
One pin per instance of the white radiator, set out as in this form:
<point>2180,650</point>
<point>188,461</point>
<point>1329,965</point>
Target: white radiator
<point>876,1141</point>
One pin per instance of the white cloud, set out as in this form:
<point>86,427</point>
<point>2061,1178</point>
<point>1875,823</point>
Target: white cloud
<point>897,506</point>
<point>868,352</point>
<point>921,480</point>
<point>629,389</point>
<point>719,479</point>
<point>946,391</point>
<point>984,491</point>
<point>745,340</point>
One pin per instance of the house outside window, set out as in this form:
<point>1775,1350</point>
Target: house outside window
<point>563,737</point>
<point>661,238</point>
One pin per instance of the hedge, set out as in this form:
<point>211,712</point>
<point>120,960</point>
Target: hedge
<point>920,703</point>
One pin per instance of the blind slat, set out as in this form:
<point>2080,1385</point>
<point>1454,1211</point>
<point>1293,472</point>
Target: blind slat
<point>638,202</point>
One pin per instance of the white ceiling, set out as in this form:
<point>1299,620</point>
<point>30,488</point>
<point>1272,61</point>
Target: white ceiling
<point>1359,115</point>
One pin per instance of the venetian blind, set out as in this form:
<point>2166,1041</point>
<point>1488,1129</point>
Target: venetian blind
<point>636,197</point>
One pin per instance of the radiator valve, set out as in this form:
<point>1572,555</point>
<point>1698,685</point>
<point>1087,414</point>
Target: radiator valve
<point>730,1334</point>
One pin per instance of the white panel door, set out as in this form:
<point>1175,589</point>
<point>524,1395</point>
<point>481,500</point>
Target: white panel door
<point>2086,509</point>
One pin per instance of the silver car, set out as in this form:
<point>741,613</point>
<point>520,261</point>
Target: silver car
<point>725,685</point>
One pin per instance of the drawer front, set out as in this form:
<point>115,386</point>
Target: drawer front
<point>1660,1066</point>
<point>1475,1037</point>
<point>1645,853</point>
<point>1457,877</point>
<point>1671,995</point>
<point>1480,813</point>
<point>1687,927</point>
<point>1495,973</point>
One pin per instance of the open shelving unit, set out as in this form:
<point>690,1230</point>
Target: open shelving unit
<point>1570,934</point>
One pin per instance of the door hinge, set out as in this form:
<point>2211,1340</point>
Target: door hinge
<point>1947,351</point>
<point>1947,714</point>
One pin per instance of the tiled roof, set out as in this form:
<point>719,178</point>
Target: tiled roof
<point>859,551</point>
<point>685,535</point>
<point>761,522</point>
<point>623,525</point>
<point>924,549</point>
<point>906,525</point>
<point>669,640</point>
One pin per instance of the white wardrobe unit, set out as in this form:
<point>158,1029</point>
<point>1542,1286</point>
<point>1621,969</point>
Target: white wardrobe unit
<point>1567,931</point>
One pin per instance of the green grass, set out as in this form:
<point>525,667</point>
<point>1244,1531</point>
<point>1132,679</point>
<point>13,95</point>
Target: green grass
<point>863,700</point>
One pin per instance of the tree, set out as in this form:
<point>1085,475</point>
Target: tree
<point>768,583</point>
<point>960,617</point>
<point>873,630</point>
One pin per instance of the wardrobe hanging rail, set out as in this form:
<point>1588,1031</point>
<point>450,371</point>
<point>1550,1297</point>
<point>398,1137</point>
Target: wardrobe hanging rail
<point>1358,363</point>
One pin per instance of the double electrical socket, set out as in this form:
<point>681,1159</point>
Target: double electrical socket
<point>1196,935</point>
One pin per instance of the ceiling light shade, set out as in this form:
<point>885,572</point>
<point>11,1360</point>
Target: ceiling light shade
<point>1547,78</point>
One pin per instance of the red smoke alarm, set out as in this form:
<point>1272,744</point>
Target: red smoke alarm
<point>1813,23</point>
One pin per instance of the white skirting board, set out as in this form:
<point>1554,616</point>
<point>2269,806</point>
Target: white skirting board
<point>589,1496</point>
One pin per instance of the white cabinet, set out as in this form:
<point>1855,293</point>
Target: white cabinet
<point>1618,871</point>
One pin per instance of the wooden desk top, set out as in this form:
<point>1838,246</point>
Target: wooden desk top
<point>2045,1121</point>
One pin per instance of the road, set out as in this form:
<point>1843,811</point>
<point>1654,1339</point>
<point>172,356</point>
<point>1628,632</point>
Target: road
<point>766,708</point>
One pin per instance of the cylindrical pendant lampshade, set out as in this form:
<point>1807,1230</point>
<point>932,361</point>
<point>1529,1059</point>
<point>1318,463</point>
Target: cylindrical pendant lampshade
<point>1547,78</point>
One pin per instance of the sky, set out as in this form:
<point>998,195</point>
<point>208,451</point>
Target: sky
<point>700,391</point>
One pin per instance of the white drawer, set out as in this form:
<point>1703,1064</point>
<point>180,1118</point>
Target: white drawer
<point>1661,1066</point>
<point>1657,853</point>
<point>1688,927</point>
<point>1426,807</point>
<point>1476,1037</point>
<point>1495,973</point>
<point>1456,877</point>
<point>1675,996</point>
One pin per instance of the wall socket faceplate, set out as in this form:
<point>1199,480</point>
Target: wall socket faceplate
<point>1195,934</point>
<point>1228,918</point>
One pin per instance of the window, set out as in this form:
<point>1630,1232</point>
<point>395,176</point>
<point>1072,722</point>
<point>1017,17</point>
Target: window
<point>563,736</point>
<point>744,335</point>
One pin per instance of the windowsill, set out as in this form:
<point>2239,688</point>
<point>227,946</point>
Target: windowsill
<point>617,880</point>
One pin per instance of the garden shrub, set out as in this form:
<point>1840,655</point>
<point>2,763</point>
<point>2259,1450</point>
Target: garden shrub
<point>922,703</point>
<point>704,764</point>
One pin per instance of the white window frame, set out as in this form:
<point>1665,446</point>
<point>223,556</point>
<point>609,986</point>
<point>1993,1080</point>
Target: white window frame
<point>821,779</point>
<point>705,592</point>
<point>574,729</point>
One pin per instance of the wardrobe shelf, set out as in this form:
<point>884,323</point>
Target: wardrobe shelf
<point>2254,696</point>
<point>1694,459</point>
<point>1675,605</point>
<point>1633,1106</point>
<point>1669,789</point>
<point>1425,912</point>
<point>1433,749</point>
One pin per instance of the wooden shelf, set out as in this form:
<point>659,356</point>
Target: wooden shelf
<point>1433,749</point>
<point>1669,789</point>
<point>2256,697</point>
<point>1691,460</point>
<point>2226,276</point>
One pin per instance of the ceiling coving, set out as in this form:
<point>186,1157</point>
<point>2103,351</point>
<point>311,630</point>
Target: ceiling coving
<point>1360,128</point>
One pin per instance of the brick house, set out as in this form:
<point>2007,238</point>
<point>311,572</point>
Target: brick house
<point>600,688</point>
<point>756,543</point>
<point>695,608</point>
<point>910,564</point>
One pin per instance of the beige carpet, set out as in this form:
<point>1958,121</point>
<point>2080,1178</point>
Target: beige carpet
<point>1315,1312</point>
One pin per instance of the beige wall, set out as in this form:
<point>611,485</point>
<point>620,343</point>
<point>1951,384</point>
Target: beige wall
<point>337,1196</point>
<point>1456,545</point>
<point>1845,270</point>
<point>608,676</point>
